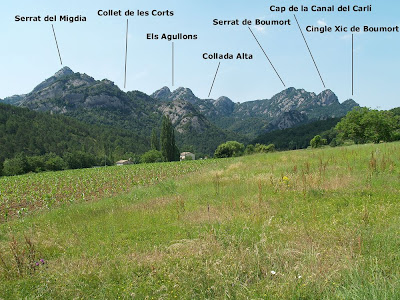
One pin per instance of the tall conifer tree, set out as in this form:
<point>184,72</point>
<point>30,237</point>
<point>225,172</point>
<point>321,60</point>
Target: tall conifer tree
<point>155,144</point>
<point>167,140</point>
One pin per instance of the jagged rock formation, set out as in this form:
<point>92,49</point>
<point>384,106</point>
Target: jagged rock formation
<point>102,102</point>
<point>254,117</point>
<point>287,120</point>
<point>200,123</point>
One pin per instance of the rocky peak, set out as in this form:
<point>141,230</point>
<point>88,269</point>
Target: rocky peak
<point>162,94</point>
<point>63,72</point>
<point>223,99</point>
<point>185,94</point>
<point>288,93</point>
<point>181,91</point>
<point>225,105</point>
<point>107,81</point>
<point>326,98</point>
<point>350,104</point>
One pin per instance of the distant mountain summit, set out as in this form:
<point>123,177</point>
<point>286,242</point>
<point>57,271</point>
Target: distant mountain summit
<point>162,94</point>
<point>101,102</point>
<point>201,124</point>
<point>288,108</point>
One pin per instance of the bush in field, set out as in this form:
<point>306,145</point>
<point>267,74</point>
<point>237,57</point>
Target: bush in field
<point>261,148</point>
<point>250,149</point>
<point>36,163</point>
<point>79,160</point>
<point>54,162</point>
<point>16,166</point>
<point>152,156</point>
<point>364,125</point>
<point>229,149</point>
<point>318,142</point>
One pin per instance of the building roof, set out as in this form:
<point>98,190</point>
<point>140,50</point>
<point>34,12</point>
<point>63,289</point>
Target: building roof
<point>186,153</point>
<point>122,161</point>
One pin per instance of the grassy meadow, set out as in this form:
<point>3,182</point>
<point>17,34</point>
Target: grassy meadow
<point>307,224</point>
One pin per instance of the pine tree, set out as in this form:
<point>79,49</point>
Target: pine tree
<point>167,140</point>
<point>155,144</point>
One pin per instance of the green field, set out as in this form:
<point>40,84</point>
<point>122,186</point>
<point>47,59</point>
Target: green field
<point>308,224</point>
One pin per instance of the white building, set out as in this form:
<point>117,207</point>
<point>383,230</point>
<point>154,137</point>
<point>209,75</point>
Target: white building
<point>188,156</point>
<point>123,162</point>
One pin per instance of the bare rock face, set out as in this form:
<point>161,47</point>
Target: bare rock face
<point>301,106</point>
<point>326,98</point>
<point>184,116</point>
<point>179,94</point>
<point>162,94</point>
<point>224,105</point>
<point>287,120</point>
<point>204,122</point>
<point>63,72</point>
<point>67,91</point>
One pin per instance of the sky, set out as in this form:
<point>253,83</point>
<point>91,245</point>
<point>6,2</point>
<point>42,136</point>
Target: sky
<point>28,52</point>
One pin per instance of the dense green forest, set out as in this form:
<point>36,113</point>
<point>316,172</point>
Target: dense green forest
<point>35,141</point>
<point>36,134</point>
<point>299,137</point>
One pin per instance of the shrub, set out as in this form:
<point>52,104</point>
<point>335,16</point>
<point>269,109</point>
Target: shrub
<point>317,142</point>
<point>261,148</point>
<point>250,149</point>
<point>363,125</point>
<point>79,160</point>
<point>229,149</point>
<point>152,156</point>
<point>54,162</point>
<point>16,166</point>
<point>36,163</point>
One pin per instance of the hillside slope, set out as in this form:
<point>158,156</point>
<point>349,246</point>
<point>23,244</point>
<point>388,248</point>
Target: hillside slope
<point>297,137</point>
<point>288,108</point>
<point>103,103</point>
<point>37,133</point>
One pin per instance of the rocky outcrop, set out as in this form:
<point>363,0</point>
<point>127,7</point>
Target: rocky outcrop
<point>287,120</point>
<point>224,106</point>
<point>184,116</point>
<point>162,94</point>
<point>198,121</point>
<point>298,103</point>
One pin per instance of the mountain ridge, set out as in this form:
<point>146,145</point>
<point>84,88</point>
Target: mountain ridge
<point>200,123</point>
<point>260,113</point>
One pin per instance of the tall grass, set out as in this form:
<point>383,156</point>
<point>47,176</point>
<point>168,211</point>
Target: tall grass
<point>320,224</point>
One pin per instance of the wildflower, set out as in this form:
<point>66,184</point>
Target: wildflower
<point>285,180</point>
<point>273,273</point>
<point>42,261</point>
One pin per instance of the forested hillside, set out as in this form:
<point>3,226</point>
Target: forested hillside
<point>35,133</point>
<point>297,137</point>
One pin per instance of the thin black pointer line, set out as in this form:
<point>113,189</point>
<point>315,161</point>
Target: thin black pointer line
<point>310,52</point>
<point>214,80</point>
<point>267,57</point>
<point>58,49</point>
